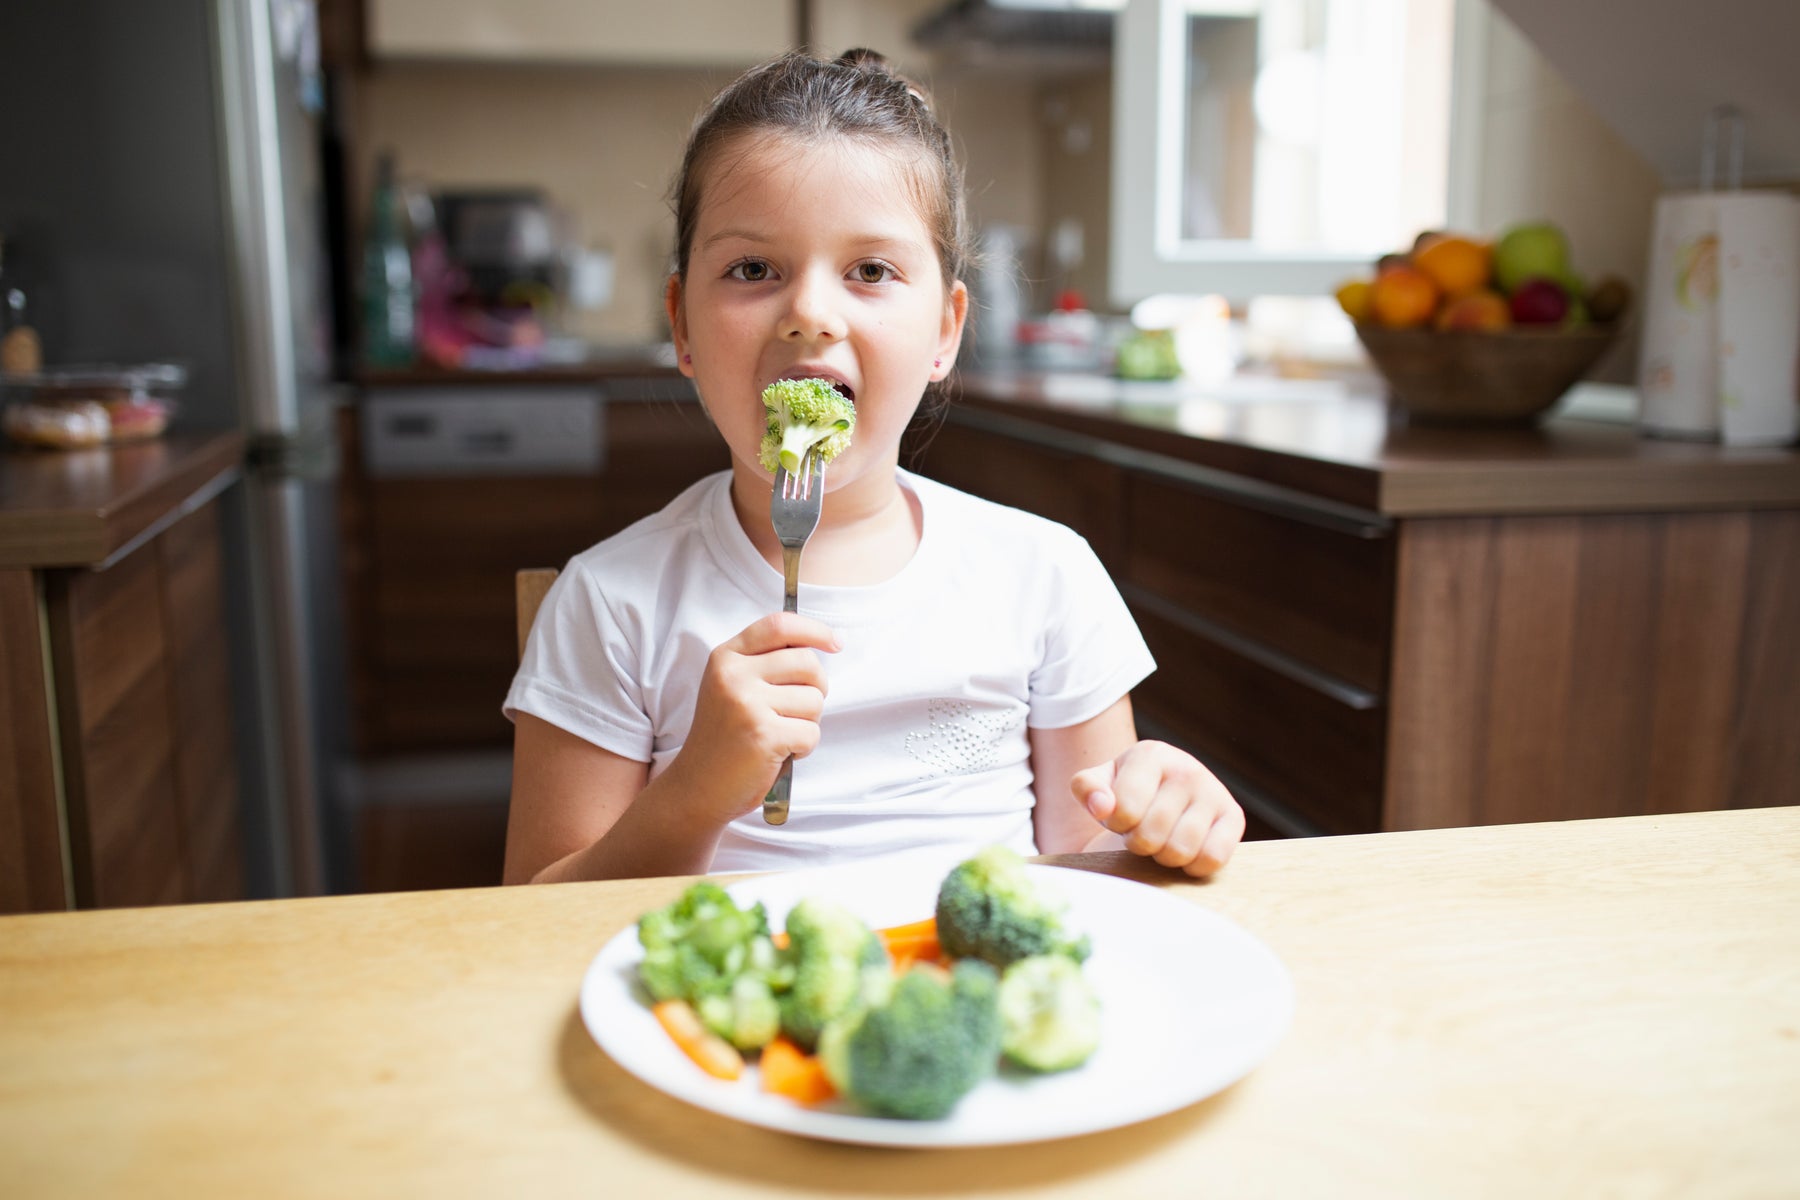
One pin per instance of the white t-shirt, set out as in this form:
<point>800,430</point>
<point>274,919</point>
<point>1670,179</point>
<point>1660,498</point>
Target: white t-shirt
<point>1001,621</point>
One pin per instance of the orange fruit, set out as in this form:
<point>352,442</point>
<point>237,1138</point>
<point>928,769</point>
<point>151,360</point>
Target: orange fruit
<point>1477,310</point>
<point>1403,297</point>
<point>1456,264</point>
<point>1353,298</point>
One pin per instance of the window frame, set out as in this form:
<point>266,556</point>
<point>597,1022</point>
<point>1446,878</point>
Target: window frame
<point>1147,254</point>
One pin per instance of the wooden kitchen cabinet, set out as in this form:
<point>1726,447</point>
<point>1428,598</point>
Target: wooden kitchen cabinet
<point>115,696</point>
<point>429,561</point>
<point>1364,627</point>
<point>723,33</point>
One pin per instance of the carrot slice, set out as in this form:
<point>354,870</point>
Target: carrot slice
<point>712,1053</point>
<point>789,1071</point>
<point>780,940</point>
<point>914,942</point>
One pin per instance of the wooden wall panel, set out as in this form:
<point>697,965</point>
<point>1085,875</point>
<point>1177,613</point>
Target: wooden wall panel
<point>118,740</point>
<point>1696,648</point>
<point>1766,749</point>
<point>200,699</point>
<point>1551,668</point>
<point>32,878</point>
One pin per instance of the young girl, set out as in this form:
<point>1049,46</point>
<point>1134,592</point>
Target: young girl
<point>959,672</point>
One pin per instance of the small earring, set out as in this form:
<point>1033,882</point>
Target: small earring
<point>687,360</point>
<point>937,362</point>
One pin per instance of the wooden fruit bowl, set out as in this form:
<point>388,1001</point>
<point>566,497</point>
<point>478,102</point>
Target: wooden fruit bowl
<point>1466,378</point>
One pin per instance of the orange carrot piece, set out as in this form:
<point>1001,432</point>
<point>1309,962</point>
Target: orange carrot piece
<point>789,1071</point>
<point>912,930</point>
<point>915,942</point>
<point>780,940</point>
<point>712,1053</point>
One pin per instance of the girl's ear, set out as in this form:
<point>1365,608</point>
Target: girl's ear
<point>677,324</point>
<point>956,316</point>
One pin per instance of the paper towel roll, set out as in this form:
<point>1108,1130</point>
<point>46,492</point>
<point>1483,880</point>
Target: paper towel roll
<point>1759,319</point>
<point>1721,344</point>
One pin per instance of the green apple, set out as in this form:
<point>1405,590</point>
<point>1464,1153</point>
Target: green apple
<point>1535,250</point>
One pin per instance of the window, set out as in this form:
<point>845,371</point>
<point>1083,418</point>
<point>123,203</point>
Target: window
<point>1273,147</point>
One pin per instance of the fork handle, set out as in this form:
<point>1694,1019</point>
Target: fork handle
<point>790,572</point>
<point>775,804</point>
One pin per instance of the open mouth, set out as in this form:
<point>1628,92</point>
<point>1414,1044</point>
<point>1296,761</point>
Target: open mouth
<point>838,385</point>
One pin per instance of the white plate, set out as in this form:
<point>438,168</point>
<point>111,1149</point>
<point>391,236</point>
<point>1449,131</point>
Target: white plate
<point>1190,1004</point>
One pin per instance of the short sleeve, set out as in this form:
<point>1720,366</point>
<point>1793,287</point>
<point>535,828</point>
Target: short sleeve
<point>1093,652</point>
<point>580,671</point>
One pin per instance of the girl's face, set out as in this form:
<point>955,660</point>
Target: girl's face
<point>812,259</point>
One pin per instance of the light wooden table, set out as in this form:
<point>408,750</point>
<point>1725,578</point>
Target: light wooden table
<point>1602,1008</point>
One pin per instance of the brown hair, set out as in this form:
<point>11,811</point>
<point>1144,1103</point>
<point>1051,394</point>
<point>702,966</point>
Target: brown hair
<point>857,95</point>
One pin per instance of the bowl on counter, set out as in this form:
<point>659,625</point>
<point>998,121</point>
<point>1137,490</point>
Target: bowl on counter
<point>1510,376</point>
<point>74,407</point>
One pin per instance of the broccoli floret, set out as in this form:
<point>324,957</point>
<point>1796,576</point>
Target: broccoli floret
<point>696,946</point>
<point>831,951</point>
<point>989,908</point>
<point>805,414</point>
<point>919,1051</point>
<point>747,1016</point>
<point>1049,1014</point>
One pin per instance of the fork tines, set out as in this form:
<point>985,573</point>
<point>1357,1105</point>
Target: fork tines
<point>798,487</point>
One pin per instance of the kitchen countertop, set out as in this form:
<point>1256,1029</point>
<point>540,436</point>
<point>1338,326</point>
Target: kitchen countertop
<point>1560,1009</point>
<point>1322,439</point>
<point>61,508</point>
<point>1327,440</point>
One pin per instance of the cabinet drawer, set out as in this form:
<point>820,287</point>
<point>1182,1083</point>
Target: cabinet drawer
<point>1306,750</point>
<point>1318,595</point>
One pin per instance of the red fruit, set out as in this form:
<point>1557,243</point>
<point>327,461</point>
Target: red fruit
<point>1539,302</point>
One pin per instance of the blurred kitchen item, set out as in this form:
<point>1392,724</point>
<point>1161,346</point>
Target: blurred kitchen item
<point>1507,377</point>
<point>501,237</point>
<point>1067,338</point>
<point>1208,343</point>
<point>1148,354</point>
<point>20,349</point>
<point>1722,308</point>
<point>999,285</point>
<point>388,296</point>
<point>90,405</point>
<point>586,277</point>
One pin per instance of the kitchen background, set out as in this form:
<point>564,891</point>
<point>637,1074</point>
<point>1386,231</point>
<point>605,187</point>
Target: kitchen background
<point>371,752</point>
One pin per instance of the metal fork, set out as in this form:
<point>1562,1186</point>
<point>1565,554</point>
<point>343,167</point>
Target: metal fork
<point>794,511</point>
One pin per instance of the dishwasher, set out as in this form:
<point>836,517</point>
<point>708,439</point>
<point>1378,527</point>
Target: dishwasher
<point>420,432</point>
<point>458,487</point>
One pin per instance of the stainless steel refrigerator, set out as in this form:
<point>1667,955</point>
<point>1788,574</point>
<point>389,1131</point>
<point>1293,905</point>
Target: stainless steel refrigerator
<point>163,198</point>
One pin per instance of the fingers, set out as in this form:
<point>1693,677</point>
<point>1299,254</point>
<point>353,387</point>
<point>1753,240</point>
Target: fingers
<point>781,630</point>
<point>1093,790</point>
<point>1166,806</point>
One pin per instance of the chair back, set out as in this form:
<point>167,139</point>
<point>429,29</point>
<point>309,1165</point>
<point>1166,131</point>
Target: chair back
<point>528,592</point>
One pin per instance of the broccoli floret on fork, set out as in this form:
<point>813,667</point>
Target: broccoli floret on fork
<point>805,415</point>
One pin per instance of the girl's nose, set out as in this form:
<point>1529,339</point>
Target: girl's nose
<point>812,315</point>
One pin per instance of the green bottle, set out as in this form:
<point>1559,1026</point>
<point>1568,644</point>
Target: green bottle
<point>387,280</point>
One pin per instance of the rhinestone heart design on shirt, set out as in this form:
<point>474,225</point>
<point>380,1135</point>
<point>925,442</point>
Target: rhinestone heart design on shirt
<point>959,740</point>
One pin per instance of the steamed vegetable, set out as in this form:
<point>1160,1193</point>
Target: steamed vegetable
<point>1049,1014</point>
<point>990,908</point>
<point>803,415</point>
<point>919,1051</point>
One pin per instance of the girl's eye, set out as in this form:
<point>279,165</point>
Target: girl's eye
<point>873,272</point>
<point>750,270</point>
